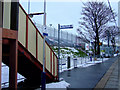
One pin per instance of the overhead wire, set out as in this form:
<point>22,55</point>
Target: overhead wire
<point>113,17</point>
<point>112,13</point>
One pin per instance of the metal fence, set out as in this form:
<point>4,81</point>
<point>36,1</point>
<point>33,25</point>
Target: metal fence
<point>65,37</point>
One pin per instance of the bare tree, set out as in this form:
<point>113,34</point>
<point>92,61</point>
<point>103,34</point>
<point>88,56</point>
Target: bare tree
<point>96,17</point>
<point>112,32</point>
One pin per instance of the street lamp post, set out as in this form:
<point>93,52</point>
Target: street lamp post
<point>28,6</point>
<point>43,75</point>
<point>44,36</point>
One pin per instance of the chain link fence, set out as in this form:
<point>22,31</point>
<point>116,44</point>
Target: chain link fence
<point>66,38</point>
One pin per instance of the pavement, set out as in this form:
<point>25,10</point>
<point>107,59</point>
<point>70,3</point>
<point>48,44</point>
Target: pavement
<point>111,79</point>
<point>99,76</point>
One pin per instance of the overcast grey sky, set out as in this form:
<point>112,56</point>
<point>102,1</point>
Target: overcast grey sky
<point>62,12</point>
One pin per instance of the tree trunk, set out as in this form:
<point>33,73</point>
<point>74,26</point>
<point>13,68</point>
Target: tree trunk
<point>97,37</point>
<point>98,48</point>
<point>95,46</point>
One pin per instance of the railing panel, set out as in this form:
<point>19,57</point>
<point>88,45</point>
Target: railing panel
<point>55,66</point>
<point>51,60</point>
<point>6,15</point>
<point>31,38</point>
<point>22,27</point>
<point>47,57</point>
<point>34,44</point>
<point>40,49</point>
<point>52,63</point>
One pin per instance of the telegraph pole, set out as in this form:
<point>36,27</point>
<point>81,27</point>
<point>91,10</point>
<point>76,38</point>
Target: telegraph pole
<point>108,43</point>
<point>29,7</point>
<point>44,36</point>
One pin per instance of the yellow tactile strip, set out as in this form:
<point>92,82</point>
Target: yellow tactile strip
<point>103,81</point>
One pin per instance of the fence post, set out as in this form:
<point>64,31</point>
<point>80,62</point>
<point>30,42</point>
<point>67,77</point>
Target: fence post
<point>91,58</point>
<point>68,61</point>
<point>81,60</point>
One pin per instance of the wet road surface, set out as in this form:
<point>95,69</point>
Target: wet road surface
<point>87,77</point>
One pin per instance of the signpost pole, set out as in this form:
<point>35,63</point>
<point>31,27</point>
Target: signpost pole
<point>61,27</point>
<point>59,50</point>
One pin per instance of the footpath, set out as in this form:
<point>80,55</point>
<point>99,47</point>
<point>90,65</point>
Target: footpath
<point>111,79</point>
<point>99,76</point>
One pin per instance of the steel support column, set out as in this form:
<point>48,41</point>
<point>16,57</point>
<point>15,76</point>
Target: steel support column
<point>0,54</point>
<point>1,25</point>
<point>13,46</point>
<point>13,65</point>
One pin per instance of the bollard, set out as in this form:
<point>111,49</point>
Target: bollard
<point>68,61</point>
<point>102,59</point>
<point>85,60</point>
<point>90,58</point>
<point>75,62</point>
<point>81,60</point>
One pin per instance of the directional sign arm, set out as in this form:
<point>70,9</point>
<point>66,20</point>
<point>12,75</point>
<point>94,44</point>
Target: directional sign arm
<point>66,26</point>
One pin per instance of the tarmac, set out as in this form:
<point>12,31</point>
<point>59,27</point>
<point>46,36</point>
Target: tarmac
<point>100,76</point>
<point>111,79</point>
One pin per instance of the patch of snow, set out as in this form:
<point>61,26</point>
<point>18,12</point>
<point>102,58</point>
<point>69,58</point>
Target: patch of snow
<point>115,54</point>
<point>61,84</point>
<point>87,65</point>
<point>5,76</point>
<point>65,50</point>
<point>73,49</point>
<point>61,79</point>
